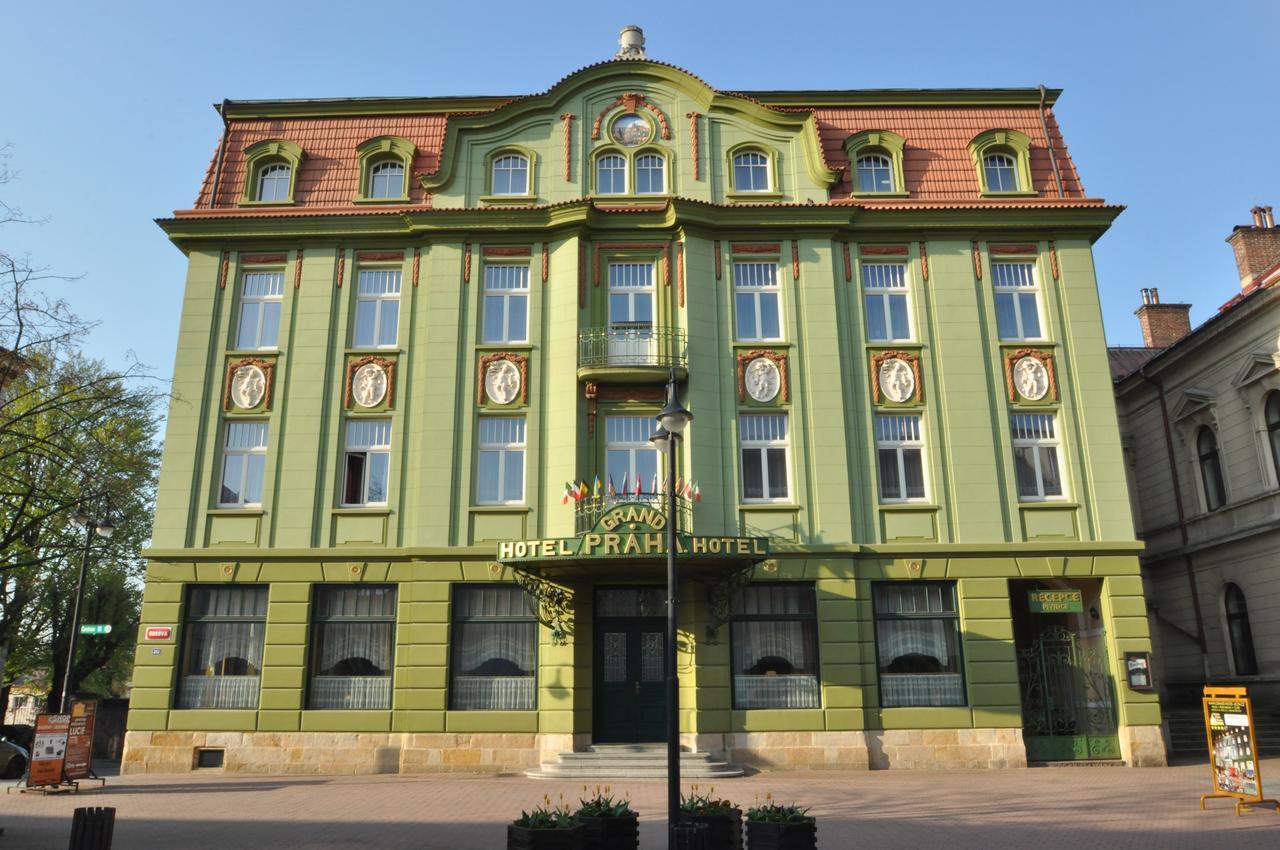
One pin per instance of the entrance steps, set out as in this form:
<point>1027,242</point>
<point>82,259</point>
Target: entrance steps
<point>631,761</point>
<point>1187,737</point>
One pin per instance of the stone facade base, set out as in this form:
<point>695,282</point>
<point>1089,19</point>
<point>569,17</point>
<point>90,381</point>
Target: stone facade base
<point>798,750</point>
<point>1143,746</point>
<point>946,749</point>
<point>332,752</point>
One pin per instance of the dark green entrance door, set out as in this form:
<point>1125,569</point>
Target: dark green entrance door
<point>1068,704</point>
<point>629,672</point>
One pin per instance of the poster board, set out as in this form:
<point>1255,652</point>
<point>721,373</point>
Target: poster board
<point>1233,760</point>
<point>79,754</point>
<point>48,750</point>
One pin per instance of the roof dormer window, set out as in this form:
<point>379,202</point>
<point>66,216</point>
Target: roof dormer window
<point>1001,172</point>
<point>1003,161</point>
<point>275,179</point>
<point>384,167</point>
<point>386,180</point>
<point>751,172</point>
<point>511,174</point>
<point>271,172</point>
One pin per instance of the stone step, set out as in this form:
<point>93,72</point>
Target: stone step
<point>631,761</point>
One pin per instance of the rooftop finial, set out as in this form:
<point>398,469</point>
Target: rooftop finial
<point>630,43</point>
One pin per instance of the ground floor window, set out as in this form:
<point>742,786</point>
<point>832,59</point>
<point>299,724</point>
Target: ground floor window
<point>918,644</point>
<point>774,638</point>
<point>493,649</point>
<point>222,647</point>
<point>351,651</point>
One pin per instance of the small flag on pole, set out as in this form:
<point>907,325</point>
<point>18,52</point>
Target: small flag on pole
<point>624,484</point>
<point>697,492</point>
<point>612,492</point>
<point>582,490</point>
<point>565,499</point>
<point>596,489</point>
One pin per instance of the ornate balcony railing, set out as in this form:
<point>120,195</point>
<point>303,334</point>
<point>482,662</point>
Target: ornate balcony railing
<point>587,512</point>
<point>632,345</point>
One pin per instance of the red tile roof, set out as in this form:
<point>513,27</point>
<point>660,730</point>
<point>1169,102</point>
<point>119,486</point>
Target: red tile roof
<point>330,171</point>
<point>936,163</point>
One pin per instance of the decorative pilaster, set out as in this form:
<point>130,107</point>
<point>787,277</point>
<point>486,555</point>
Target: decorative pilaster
<point>848,262</point>
<point>466,262</point>
<point>546,262</point>
<point>568,118</point>
<point>693,143</point>
<point>417,264</point>
<point>924,261</point>
<point>342,261</point>
<point>297,269</point>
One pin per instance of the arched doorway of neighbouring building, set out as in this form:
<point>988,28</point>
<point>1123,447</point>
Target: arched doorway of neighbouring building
<point>1240,636</point>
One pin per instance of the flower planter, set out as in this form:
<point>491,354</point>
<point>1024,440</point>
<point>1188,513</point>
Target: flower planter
<point>611,833</point>
<point>524,838</point>
<point>724,832</point>
<point>800,835</point>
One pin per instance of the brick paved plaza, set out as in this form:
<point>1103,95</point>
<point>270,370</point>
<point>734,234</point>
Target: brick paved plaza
<point>1042,808</point>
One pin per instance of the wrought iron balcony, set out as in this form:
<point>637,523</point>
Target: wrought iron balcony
<point>633,351</point>
<point>587,512</point>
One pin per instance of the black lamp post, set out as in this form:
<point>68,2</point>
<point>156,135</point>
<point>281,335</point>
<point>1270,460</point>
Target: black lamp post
<point>103,528</point>
<point>672,420</point>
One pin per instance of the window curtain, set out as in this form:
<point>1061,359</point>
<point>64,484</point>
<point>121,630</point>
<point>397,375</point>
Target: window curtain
<point>919,664</point>
<point>223,664</point>
<point>353,666</point>
<point>775,664</point>
<point>493,666</point>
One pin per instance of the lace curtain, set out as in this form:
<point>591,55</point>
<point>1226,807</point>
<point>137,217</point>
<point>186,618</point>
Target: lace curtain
<point>493,665</point>
<point>353,666</point>
<point>774,664</point>
<point>919,663</point>
<point>223,664</point>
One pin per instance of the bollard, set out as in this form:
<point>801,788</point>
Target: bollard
<point>91,828</point>
<point>688,836</point>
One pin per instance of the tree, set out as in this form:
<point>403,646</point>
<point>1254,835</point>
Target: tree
<point>73,432</point>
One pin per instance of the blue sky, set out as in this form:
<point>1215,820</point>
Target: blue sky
<point>1169,109</point>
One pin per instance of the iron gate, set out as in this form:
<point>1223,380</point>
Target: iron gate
<point>1068,703</point>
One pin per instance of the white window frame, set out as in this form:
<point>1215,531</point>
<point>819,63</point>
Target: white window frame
<point>639,442</point>
<point>876,286</point>
<point>762,445</point>
<point>507,450</point>
<point>370,449</point>
<point>999,287</point>
<point>274,294</point>
<point>1007,161</point>
<point>258,431</point>
<point>1037,442</point>
<point>271,172</point>
<point>504,163</point>
<point>504,282</point>
<point>744,284</point>
<point>661,169</point>
<point>381,301</point>
<point>877,162</point>
<point>626,183</point>
<point>375,171</point>
<point>765,161</point>
<point>900,441</point>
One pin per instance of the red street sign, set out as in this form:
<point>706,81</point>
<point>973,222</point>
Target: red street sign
<point>158,633</point>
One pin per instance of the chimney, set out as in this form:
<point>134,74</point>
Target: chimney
<point>1256,246</point>
<point>1162,324</point>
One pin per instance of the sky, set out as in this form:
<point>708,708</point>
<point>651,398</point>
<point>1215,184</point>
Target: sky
<point>1169,108</point>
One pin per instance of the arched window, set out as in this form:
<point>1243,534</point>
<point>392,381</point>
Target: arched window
<point>611,175</point>
<point>1001,171</point>
<point>1243,658</point>
<point>273,182</point>
<point>1215,491</point>
<point>511,175</point>
<point>651,174</point>
<point>875,173</point>
<point>1272,413</point>
<point>751,172</point>
<point>386,179</point>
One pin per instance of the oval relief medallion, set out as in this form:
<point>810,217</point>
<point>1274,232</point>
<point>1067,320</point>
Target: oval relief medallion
<point>502,382</point>
<point>897,380</point>
<point>762,379</point>
<point>369,385</point>
<point>248,384</point>
<point>631,131</point>
<point>1030,378</point>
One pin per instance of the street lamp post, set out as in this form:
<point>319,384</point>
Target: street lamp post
<point>103,528</point>
<point>672,420</point>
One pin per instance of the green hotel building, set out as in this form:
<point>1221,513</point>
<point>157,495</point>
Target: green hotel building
<point>410,518</point>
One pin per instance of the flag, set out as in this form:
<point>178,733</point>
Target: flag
<point>697,492</point>
<point>596,489</point>
<point>640,492</point>
<point>582,490</point>
<point>688,490</point>
<point>565,499</point>
<point>612,492</point>
<point>679,486</point>
<point>624,484</point>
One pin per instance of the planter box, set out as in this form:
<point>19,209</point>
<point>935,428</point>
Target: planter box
<point>523,838</point>
<point>801,835</point>
<point>621,833</point>
<point>724,832</point>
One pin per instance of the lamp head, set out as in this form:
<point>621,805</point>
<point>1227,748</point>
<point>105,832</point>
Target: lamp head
<point>674,417</point>
<point>661,440</point>
<point>105,528</point>
<point>79,517</point>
